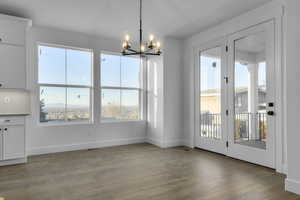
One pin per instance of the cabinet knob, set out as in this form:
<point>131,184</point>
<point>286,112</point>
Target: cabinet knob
<point>0,39</point>
<point>0,84</point>
<point>5,129</point>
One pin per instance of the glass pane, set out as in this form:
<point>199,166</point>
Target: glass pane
<point>130,108</point>
<point>110,70</point>
<point>52,65</point>
<point>130,70</point>
<point>250,91</point>
<point>78,104</point>
<point>111,106</point>
<point>79,67</point>
<point>210,97</point>
<point>52,104</point>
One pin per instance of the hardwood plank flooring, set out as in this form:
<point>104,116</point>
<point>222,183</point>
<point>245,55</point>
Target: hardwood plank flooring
<point>138,172</point>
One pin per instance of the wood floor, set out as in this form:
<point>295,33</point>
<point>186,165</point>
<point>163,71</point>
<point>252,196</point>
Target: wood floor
<point>138,172</point>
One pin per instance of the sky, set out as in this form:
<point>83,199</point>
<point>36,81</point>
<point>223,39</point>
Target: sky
<point>73,67</point>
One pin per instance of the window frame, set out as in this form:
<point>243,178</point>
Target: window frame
<point>66,86</point>
<point>141,90</point>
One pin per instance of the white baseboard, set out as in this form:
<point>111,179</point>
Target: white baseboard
<point>154,142</point>
<point>292,186</point>
<point>187,143</point>
<point>166,144</point>
<point>173,143</point>
<point>282,169</point>
<point>13,162</point>
<point>82,146</point>
<point>285,169</point>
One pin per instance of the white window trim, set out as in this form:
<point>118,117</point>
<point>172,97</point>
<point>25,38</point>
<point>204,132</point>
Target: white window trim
<point>39,85</point>
<point>142,93</point>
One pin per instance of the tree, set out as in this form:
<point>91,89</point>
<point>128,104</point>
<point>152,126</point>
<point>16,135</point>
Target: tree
<point>43,113</point>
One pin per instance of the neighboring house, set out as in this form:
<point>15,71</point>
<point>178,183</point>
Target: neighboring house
<point>210,100</point>
<point>241,100</point>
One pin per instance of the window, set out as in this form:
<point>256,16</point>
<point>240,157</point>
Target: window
<point>65,84</point>
<point>121,87</point>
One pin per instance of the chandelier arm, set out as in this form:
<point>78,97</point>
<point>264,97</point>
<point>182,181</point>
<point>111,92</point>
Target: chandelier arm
<point>152,54</point>
<point>132,50</point>
<point>131,54</point>
<point>148,50</point>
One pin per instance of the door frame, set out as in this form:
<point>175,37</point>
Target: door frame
<point>218,146</point>
<point>242,23</point>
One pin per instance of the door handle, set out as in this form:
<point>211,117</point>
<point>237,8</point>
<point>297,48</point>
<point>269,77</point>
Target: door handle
<point>271,104</point>
<point>271,113</point>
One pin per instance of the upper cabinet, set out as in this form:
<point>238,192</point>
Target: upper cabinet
<point>12,32</point>
<point>12,66</point>
<point>13,51</point>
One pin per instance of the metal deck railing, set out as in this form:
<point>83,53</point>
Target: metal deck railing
<point>248,126</point>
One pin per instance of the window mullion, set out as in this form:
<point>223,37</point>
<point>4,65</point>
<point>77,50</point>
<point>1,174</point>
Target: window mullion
<point>66,82</point>
<point>121,86</point>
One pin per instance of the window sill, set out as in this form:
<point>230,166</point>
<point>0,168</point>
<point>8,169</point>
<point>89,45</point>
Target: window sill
<point>122,121</point>
<point>89,123</point>
<point>62,124</point>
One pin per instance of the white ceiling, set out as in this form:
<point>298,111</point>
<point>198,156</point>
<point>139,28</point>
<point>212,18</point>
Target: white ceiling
<point>114,18</point>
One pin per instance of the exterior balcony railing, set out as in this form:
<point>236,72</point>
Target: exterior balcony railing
<point>248,126</point>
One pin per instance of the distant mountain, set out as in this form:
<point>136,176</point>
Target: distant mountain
<point>60,107</point>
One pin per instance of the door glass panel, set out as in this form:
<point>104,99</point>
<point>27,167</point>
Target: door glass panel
<point>210,93</point>
<point>250,91</point>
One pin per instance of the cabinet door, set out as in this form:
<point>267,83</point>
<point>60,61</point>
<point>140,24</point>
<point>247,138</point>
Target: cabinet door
<point>12,66</point>
<point>13,142</point>
<point>12,32</point>
<point>1,143</point>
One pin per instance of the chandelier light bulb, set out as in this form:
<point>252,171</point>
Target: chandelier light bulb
<point>142,48</point>
<point>127,37</point>
<point>124,45</point>
<point>151,37</point>
<point>158,45</point>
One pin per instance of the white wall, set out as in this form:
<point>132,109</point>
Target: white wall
<point>165,99</point>
<point>173,94</point>
<point>222,31</point>
<point>45,139</point>
<point>293,97</point>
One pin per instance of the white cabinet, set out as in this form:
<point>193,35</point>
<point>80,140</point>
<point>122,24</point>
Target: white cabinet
<point>13,142</point>
<point>12,31</point>
<point>12,66</point>
<point>12,138</point>
<point>13,51</point>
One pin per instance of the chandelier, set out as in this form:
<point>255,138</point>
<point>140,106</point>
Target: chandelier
<point>152,47</point>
